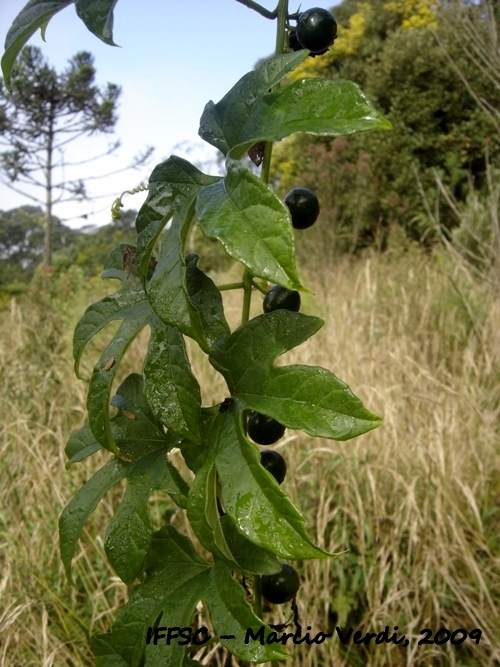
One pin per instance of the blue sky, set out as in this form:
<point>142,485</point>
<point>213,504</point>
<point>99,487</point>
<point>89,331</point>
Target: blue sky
<point>175,56</point>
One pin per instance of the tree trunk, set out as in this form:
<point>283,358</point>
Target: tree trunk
<point>47,260</point>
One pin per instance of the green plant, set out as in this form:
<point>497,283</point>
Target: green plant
<point>303,206</point>
<point>237,513</point>
<point>280,587</point>
<point>274,463</point>
<point>264,430</point>
<point>281,298</point>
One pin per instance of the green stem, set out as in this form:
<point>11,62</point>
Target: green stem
<point>258,8</point>
<point>247,295</point>
<point>228,286</point>
<point>257,286</point>
<point>282,16</point>
<point>257,596</point>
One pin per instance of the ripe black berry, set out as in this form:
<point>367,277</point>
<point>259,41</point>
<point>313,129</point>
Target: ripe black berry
<point>280,298</point>
<point>264,430</point>
<point>281,587</point>
<point>293,42</point>
<point>304,207</point>
<point>273,463</point>
<point>316,29</point>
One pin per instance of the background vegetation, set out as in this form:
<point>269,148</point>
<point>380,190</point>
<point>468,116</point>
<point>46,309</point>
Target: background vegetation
<point>404,267</point>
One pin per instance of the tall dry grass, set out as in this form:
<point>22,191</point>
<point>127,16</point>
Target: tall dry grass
<point>415,503</point>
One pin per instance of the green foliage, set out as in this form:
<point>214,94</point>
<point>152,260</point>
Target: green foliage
<point>236,509</point>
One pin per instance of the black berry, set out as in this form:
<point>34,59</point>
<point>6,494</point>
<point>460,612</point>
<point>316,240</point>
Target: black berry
<point>273,463</point>
<point>304,207</point>
<point>280,298</point>
<point>281,587</point>
<point>316,29</point>
<point>264,430</point>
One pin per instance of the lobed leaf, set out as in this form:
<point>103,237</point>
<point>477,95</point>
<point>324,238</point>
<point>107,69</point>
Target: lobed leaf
<point>252,224</point>
<point>177,579</point>
<point>249,113</point>
<point>129,534</point>
<point>308,398</point>
<point>76,513</point>
<point>135,429</point>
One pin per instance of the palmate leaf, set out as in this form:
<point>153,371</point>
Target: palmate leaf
<point>170,385</point>
<point>135,428</point>
<point>252,224</point>
<point>129,534</point>
<point>249,113</point>
<point>261,511</point>
<point>130,531</point>
<point>96,14</point>
<point>308,398</point>
<point>177,579</point>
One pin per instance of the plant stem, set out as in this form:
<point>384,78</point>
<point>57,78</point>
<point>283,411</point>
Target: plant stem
<point>282,16</point>
<point>247,295</point>
<point>228,286</point>
<point>257,596</point>
<point>258,8</point>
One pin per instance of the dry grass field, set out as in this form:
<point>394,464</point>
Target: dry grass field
<point>415,504</point>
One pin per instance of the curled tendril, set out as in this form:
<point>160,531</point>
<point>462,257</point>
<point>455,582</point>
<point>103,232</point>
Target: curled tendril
<point>116,214</point>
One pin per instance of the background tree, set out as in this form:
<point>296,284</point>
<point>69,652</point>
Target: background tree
<point>44,114</point>
<point>22,245</point>
<point>367,183</point>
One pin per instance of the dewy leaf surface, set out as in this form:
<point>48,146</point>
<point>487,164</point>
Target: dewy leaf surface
<point>35,14</point>
<point>135,428</point>
<point>317,106</point>
<point>177,579</point>
<point>261,510</point>
<point>170,386</point>
<point>300,397</point>
<point>130,526</point>
<point>129,534</point>
<point>98,17</point>
<point>252,224</point>
<point>221,123</point>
